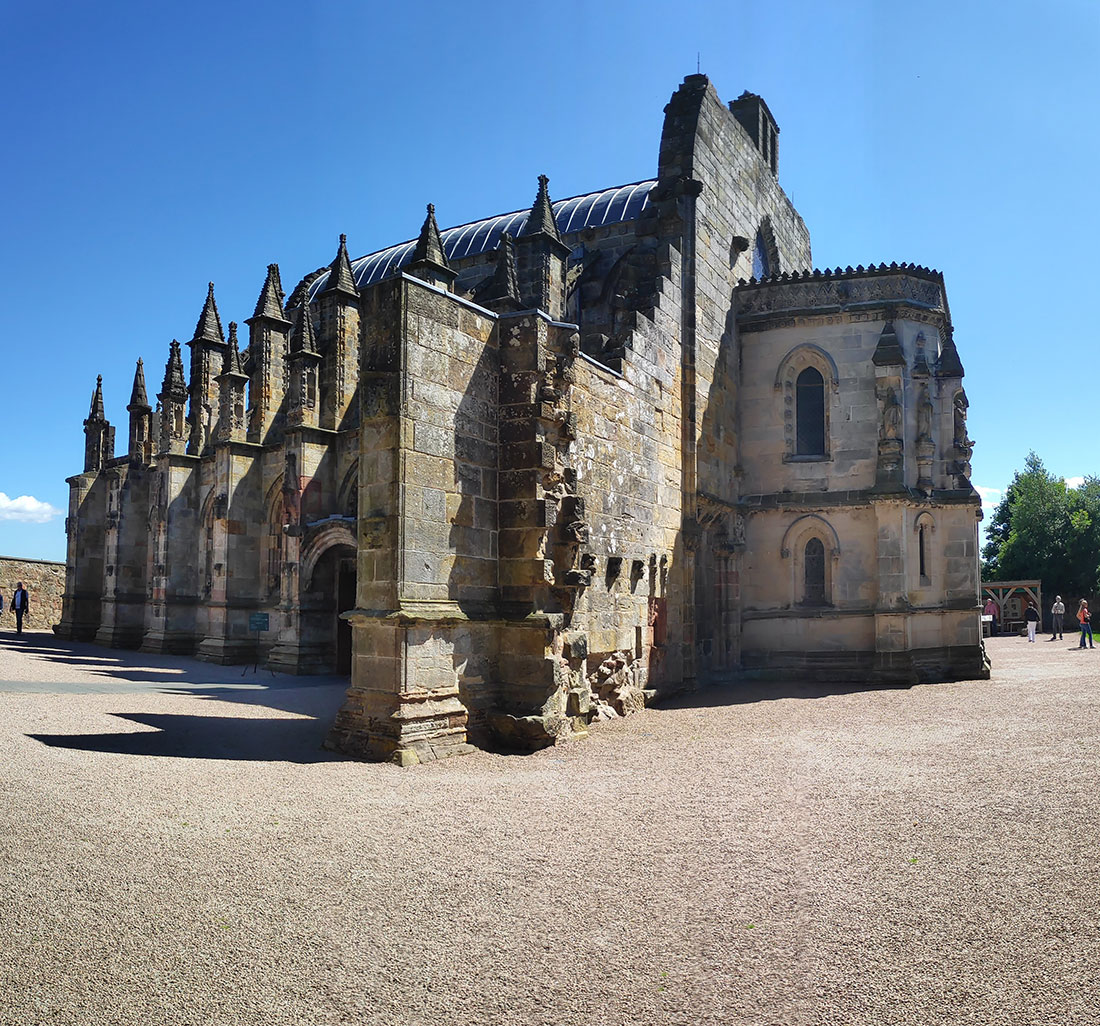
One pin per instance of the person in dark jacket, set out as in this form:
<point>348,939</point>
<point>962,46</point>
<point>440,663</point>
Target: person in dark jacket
<point>1032,617</point>
<point>20,603</point>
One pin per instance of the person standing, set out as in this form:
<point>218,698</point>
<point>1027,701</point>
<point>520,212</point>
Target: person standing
<point>991,610</point>
<point>1058,612</point>
<point>1032,617</point>
<point>20,603</point>
<point>1084,618</point>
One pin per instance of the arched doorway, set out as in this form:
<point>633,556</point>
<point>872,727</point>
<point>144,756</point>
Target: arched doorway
<point>330,591</point>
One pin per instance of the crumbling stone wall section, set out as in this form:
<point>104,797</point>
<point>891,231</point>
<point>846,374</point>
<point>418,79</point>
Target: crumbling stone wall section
<point>45,584</point>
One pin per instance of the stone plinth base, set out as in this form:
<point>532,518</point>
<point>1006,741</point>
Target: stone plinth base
<point>76,630</point>
<point>300,659</point>
<point>163,642</point>
<point>226,651</point>
<point>405,729</point>
<point>119,637</point>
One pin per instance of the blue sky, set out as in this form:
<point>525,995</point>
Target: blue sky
<point>153,148</point>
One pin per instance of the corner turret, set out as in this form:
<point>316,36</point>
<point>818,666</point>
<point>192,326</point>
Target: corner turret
<point>268,330</point>
<point>99,436</point>
<point>141,420</point>
<point>173,402</point>
<point>207,348</point>
<point>339,342</point>
<point>231,385</point>
<point>753,114</point>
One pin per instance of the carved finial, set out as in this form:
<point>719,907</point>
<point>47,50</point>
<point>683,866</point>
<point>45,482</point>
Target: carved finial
<point>503,287</point>
<point>303,339</point>
<point>174,387</point>
<point>231,361</point>
<point>96,412</point>
<point>429,246</point>
<point>209,327</point>
<point>138,398</point>
<point>270,303</point>
<point>541,219</point>
<point>340,277</point>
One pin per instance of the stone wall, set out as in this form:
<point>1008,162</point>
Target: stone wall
<point>44,581</point>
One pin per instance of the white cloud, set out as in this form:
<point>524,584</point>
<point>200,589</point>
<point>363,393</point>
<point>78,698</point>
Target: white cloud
<point>990,496</point>
<point>1074,482</point>
<point>27,509</point>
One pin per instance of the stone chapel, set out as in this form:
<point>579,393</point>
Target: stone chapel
<point>535,470</point>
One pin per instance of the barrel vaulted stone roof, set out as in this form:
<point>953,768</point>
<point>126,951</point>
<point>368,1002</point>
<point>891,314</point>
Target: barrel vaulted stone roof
<point>592,210</point>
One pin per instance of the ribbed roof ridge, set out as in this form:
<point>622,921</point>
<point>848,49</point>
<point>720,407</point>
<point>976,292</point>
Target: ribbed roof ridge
<point>587,210</point>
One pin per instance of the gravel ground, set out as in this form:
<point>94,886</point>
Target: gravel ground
<point>174,851</point>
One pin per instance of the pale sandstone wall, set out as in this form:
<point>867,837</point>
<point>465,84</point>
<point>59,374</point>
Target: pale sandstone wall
<point>853,408</point>
<point>45,584</point>
<point>449,434</point>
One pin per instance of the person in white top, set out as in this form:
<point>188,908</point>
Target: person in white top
<point>1057,611</point>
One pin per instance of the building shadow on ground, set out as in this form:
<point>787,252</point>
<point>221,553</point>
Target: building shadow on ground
<point>312,701</point>
<point>207,737</point>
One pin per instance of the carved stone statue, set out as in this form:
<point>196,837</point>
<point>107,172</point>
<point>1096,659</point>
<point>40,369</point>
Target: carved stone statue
<point>891,416</point>
<point>961,405</point>
<point>924,414</point>
<point>738,529</point>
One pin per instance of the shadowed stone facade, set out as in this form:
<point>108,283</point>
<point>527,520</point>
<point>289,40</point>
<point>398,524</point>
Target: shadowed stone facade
<point>529,472</point>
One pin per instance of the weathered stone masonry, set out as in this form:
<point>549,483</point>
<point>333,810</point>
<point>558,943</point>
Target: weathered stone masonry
<point>529,472</point>
<point>45,583</point>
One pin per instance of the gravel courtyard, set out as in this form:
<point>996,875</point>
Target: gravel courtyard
<point>176,848</point>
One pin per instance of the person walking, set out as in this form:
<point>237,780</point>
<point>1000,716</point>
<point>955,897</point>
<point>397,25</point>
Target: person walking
<point>20,603</point>
<point>1032,617</point>
<point>1084,618</point>
<point>1057,611</point>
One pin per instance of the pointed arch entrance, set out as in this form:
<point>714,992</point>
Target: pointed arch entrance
<point>327,590</point>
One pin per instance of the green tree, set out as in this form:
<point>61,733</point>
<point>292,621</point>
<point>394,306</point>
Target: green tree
<point>1042,529</point>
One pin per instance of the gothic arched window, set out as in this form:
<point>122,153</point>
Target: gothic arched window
<point>761,265</point>
<point>813,563</point>
<point>810,413</point>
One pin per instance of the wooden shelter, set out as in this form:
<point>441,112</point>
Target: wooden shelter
<point>1011,598</point>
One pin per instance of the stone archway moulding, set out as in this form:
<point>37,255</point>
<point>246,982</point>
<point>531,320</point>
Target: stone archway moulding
<point>807,354</point>
<point>801,526</point>
<point>330,536</point>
